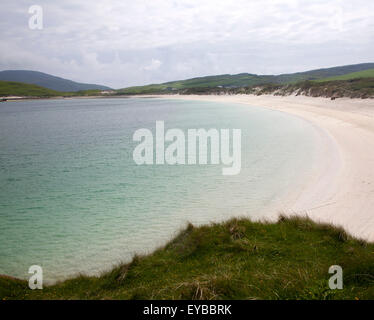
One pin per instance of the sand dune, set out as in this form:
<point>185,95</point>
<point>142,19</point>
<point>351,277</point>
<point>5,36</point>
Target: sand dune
<point>341,189</point>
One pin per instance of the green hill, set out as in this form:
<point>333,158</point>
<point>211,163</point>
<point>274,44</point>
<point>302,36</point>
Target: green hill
<point>238,259</point>
<point>11,88</point>
<point>360,88</point>
<point>245,80</point>
<point>201,82</point>
<point>355,75</point>
<point>47,81</point>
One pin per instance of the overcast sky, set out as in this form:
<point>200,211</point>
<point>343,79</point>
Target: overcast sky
<point>120,43</point>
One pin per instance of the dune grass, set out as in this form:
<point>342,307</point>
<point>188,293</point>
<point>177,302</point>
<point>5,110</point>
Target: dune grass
<point>238,259</point>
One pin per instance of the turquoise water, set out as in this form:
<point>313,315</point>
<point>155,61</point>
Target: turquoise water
<point>73,200</point>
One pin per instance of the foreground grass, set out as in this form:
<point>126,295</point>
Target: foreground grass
<point>238,259</point>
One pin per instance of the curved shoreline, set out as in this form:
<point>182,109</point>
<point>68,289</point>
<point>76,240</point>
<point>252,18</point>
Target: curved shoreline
<point>341,188</point>
<point>341,191</point>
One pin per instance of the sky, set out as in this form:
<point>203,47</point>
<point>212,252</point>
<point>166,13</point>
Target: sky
<point>121,43</point>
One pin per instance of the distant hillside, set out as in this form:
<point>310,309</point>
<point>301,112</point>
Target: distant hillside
<point>245,80</point>
<point>361,88</point>
<point>47,81</point>
<point>322,73</point>
<point>11,88</point>
<point>355,75</point>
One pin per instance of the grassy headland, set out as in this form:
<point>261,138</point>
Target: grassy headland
<point>19,89</point>
<point>11,88</point>
<point>238,259</point>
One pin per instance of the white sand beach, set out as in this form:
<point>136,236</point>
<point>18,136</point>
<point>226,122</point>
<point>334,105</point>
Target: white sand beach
<point>341,191</point>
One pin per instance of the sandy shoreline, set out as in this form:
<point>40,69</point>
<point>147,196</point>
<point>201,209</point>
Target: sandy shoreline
<point>342,189</point>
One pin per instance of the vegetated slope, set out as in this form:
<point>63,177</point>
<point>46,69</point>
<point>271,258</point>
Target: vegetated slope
<point>354,75</point>
<point>244,80</point>
<point>47,81</point>
<point>201,82</point>
<point>355,88</point>
<point>10,88</point>
<point>362,88</point>
<point>238,259</point>
<point>323,73</point>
